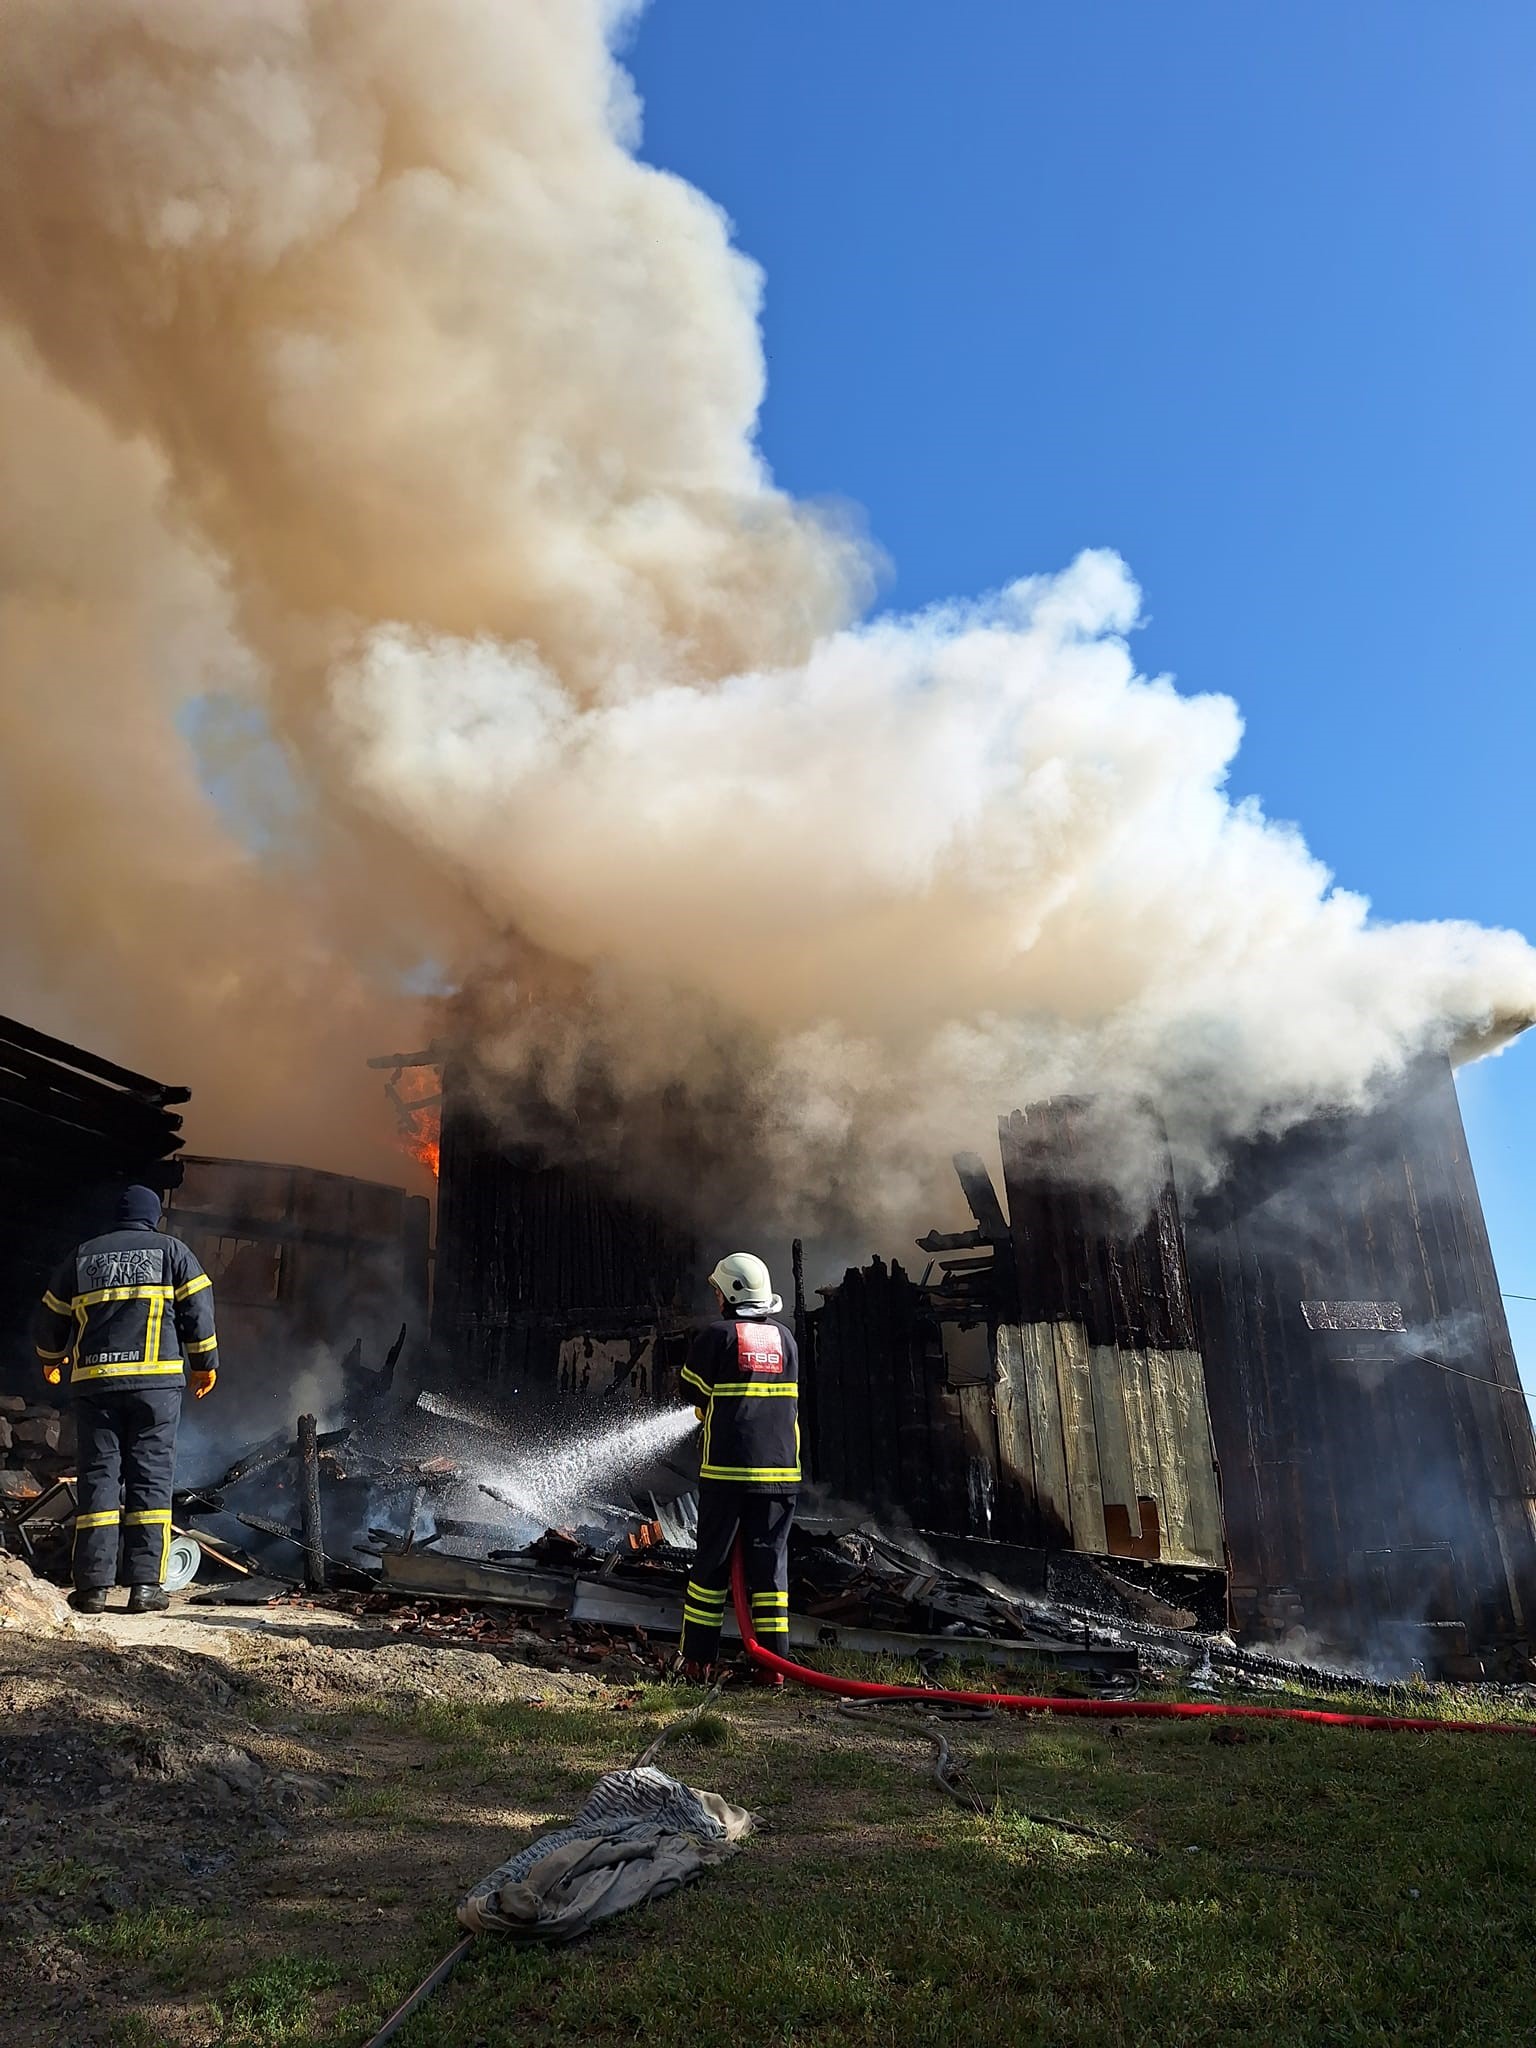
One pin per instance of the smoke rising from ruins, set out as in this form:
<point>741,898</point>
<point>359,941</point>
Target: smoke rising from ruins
<point>379,445</point>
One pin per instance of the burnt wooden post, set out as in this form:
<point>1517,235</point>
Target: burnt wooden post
<point>309,1506</point>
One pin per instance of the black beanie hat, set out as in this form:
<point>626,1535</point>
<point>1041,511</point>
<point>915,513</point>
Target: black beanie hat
<point>138,1205</point>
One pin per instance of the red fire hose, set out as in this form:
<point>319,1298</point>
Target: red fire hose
<point>1113,1710</point>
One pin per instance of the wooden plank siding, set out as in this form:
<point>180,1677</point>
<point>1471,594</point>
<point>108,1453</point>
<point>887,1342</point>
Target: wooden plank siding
<point>1339,1450</point>
<point>1117,1475</point>
<point>1080,1437</point>
<point>978,1431</point>
<point>1042,1396</point>
<point>1080,1427</point>
<point>1016,1482</point>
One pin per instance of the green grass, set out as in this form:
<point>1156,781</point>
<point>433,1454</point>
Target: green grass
<point>1310,1887</point>
<point>373,1802</point>
<point>1241,1883</point>
<point>271,2006</point>
<point>55,1878</point>
<point>165,1945</point>
<point>133,2030</point>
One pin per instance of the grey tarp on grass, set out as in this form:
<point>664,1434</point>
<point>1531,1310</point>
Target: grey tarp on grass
<point>640,1835</point>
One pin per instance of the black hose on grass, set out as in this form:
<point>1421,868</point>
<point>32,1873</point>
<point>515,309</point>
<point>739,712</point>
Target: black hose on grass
<point>441,1972</point>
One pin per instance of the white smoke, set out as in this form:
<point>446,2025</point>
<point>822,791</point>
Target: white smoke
<point>407,408</point>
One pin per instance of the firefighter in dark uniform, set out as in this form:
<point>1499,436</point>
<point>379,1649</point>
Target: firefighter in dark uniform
<point>745,1370</point>
<point>130,1315</point>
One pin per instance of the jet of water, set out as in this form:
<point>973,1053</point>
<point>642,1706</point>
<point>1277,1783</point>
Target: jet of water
<point>545,1475</point>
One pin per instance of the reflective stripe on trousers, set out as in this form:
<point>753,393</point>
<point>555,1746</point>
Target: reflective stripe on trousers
<point>127,1461</point>
<point>763,1522</point>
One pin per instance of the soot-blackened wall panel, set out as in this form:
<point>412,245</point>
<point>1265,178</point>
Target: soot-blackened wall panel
<point>1377,1456</point>
<point>528,1252</point>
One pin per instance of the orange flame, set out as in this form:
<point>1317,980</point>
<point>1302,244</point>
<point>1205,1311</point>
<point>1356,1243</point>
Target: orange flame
<point>420,1121</point>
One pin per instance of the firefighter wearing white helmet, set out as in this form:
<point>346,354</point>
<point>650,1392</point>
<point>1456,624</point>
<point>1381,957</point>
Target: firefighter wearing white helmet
<point>745,1369</point>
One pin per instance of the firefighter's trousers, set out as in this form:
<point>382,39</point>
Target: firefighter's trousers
<point>762,1520</point>
<point>127,1461</point>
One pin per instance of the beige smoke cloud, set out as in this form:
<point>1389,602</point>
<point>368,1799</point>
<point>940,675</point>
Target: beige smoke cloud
<point>363,376</point>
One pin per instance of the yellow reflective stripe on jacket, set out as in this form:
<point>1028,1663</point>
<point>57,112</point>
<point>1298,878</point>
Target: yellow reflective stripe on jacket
<point>790,1474</point>
<point>154,1292</point>
<point>103,1519</point>
<point>203,1344</point>
<point>52,1301</point>
<point>152,1332</point>
<point>51,1357</point>
<point>191,1287</point>
<point>752,1387</point>
<point>763,1474</point>
<point>122,1369</point>
<point>692,1379</point>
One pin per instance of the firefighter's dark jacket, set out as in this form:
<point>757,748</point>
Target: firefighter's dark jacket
<point>128,1311</point>
<point>745,1371</point>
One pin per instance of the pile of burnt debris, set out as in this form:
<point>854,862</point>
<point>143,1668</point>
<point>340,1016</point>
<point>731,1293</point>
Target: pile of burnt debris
<point>391,1514</point>
<point>37,1446</point>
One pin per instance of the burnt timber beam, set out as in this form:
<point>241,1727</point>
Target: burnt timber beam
<point>981,1197</point>
<point>156,1093</point>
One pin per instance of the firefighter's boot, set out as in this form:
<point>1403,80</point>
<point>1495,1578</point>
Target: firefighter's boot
<point>147,1599</point>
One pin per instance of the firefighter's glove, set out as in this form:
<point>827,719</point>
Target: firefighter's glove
<point>53,1374</point>
<point>202,1383</point>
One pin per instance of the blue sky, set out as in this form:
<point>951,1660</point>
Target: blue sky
<point>1248,294</point>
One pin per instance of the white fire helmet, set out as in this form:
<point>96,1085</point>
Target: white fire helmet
<point>744,1281</point>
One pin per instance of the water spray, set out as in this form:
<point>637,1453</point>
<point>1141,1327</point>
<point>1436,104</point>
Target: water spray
<point>544,1475</point>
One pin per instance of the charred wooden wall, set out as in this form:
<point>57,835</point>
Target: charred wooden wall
<point>308,1268</point>
<point>73,1130</point>
<point>1104,1437</point>
<point>530,1254</point>
<point>1081,1254</point>
<point>1372,1477</point>
<point>880,1425</point>
<point>1045,1389</point>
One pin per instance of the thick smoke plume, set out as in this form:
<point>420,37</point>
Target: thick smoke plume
<point>378,442</point>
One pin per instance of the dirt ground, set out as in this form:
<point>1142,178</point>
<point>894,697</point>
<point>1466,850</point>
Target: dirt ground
<point>228,1774</point>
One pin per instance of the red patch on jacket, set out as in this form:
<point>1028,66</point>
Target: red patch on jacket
<point>760,1347</point>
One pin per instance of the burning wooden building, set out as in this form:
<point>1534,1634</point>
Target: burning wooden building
<point>1291,1404</point>
<point>1307,1382</point>
<point>1040,1387</point>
